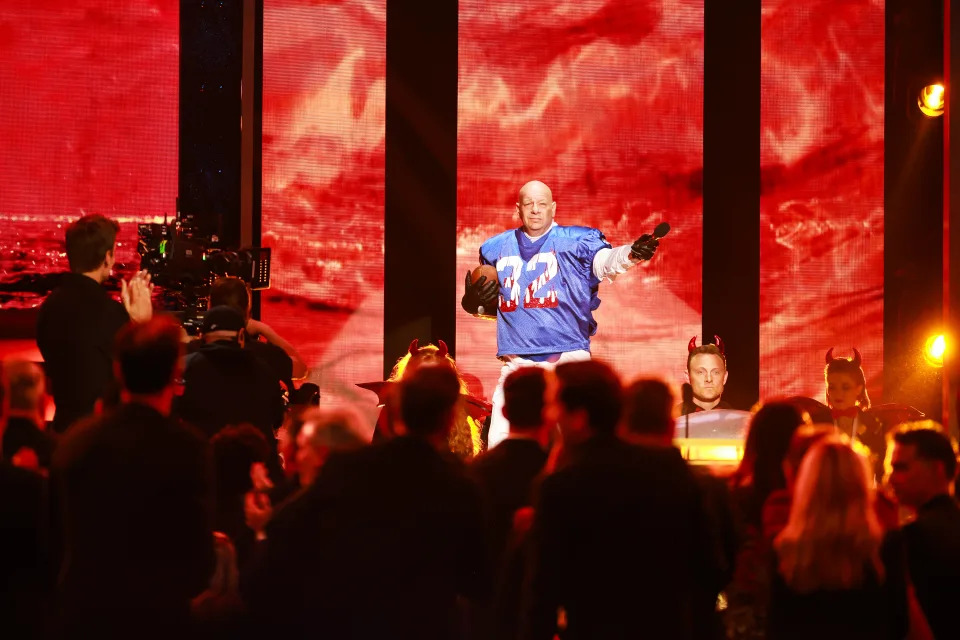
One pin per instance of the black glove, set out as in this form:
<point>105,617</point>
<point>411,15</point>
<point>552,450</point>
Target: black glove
<point>479,293</point>
<point>644,247</point>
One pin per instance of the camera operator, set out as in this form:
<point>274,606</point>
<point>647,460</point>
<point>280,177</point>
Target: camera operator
<point>225,384</point>
<point>77,322</point>
<point>277,353</point>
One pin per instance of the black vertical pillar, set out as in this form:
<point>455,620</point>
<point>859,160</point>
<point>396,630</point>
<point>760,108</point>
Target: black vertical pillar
<point>251,180</point>
<point>952,213</point>
<point>211,65</point>
<point>731,190</point>
<point>420,202</point>
<point>913,205</point>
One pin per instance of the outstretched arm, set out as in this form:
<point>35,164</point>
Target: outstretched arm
<point>480,297</point>
<point>609,263</point>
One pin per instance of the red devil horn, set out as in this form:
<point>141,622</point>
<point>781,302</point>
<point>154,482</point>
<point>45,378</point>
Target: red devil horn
<point>414,349</point>
<point>719,343</point>
<point>442,351</point>
<point>830,356</point>
<point>692,344</point>
<point>856,357</point>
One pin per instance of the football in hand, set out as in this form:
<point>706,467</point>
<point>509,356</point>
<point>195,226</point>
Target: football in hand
<point>487,270</point>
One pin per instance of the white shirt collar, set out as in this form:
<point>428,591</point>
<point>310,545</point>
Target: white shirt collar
<point>532,239</point>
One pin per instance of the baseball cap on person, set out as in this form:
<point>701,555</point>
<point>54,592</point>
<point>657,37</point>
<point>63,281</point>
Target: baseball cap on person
<point>222,318</point>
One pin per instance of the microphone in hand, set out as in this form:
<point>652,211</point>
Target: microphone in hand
<point>646,245</point>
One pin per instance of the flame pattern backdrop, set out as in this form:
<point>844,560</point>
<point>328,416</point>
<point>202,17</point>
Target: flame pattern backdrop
<point>603,101</point>
<point>88,120</point>
<point>821,207</point>
<point>324,76</point>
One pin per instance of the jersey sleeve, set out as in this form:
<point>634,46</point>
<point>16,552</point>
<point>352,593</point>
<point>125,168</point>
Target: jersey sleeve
<point>589,244</point>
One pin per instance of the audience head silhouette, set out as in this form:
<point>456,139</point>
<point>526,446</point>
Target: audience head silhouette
<point>90,244</point>
<point>428,399</point>
<point>231,292</point>
<point>523,399</point>
<point>648,410</point>
<point>587,398</point>
<point>326,430</point>
<point>148,356</point>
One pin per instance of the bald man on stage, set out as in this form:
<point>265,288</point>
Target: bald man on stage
<point>549,277</point>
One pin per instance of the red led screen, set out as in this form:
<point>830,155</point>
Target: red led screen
<point>88,120</point>
<point>821,208</point>
<point>323,135</point>
<point>603,101</point>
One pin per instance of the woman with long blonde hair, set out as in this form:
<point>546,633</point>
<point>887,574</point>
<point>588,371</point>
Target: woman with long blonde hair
<point>836,575</point>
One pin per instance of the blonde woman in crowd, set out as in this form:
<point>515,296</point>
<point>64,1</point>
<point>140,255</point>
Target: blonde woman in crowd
<point>836,576</point>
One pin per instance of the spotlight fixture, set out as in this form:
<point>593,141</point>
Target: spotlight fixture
<point>931,100</point>
<point>933,350</point>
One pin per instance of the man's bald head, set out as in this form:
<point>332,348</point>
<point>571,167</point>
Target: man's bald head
<point>536,208</point>
<point>535,187</point>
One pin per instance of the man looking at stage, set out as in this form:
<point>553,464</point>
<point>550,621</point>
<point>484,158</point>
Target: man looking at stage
<point>78,321</point>
<point>923,466</point>
<point>707,374</point>
<point>549,277</point>
<point>135,500</point>
<point>281,356</point>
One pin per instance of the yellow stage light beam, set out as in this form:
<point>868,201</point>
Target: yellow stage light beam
<point>933,350</point>
<point>931,100</point>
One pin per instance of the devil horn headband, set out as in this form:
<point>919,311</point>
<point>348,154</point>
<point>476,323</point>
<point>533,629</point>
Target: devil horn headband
<point>717,341</point>
<point>857,359</point>
<point>442,351</point>
<point>414,349</point>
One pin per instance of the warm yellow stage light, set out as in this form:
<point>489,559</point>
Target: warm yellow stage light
<point>931,100</point>
<point>934,349</point>
<point>711,451</point>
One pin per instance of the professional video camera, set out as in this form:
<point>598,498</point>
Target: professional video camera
<point>184,263</point>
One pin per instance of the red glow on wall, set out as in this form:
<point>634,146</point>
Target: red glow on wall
<point>822,195</point>
<point>88,121</point>
<point>603,101</point>
<point>324,72</point>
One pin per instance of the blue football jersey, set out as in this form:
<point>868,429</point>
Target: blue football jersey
<point>548,290</point>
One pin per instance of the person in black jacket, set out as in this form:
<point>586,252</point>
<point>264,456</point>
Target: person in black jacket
<point>281,356</point>
<point>648,421</point>
<point>506,472</point>
<point>27,567</point>
<point>135,489</point>
<point>387,538</point>
<point>619,544</point>
<point>225,384</point>
<point>77,323</point>
<point>506,476</point>
<point>923,466</point>
<point>24,398</point>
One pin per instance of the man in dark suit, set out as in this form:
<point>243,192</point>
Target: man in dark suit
<point>648,422</point>
<point>25,397</point>
<point>387,538</point>
<point>77,322</point>
<point>506,472</point>
<point>506,475</point>
<point>924,464</point>
<point>617,542</point>
<point>26,571</point>
<point>135,490</point>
